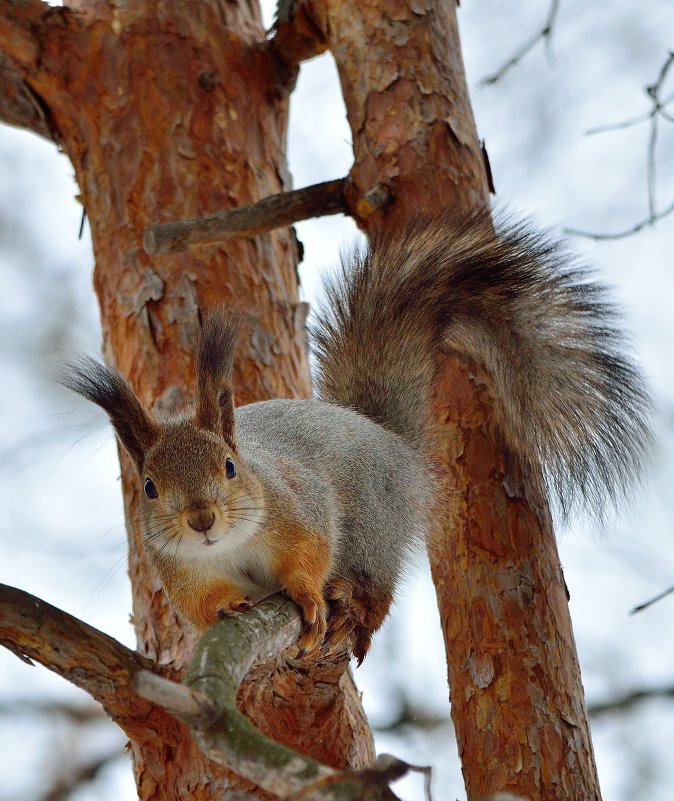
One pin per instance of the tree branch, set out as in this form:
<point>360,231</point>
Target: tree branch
<point>18,104</point>
<point>629,700</point>
<point>75,714</point>
<point>35,630</point>
<point>206,703</point>
<point>271,212</point>
<point>544,35</point>
<point>125,684</point>
<point>645,223</point>
<point>640,607</point>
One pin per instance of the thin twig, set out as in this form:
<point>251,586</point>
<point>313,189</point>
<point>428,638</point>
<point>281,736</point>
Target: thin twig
<point>656,113</point>
<point>618,126</point>
<point>272,212</point>
<point>623,234</point>
<point>629,700</point>
<point>650,168</point>
<point>652,601</point>
<point>544,35</point>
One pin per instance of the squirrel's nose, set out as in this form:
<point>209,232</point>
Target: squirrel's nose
<point>200,520</point>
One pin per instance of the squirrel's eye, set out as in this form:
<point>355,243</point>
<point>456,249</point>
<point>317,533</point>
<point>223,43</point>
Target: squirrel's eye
<point>150,489</point>
<point>230,468</point>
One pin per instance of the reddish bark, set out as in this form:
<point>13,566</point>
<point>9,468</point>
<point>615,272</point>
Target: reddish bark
<point>169,111</point>
<point>517,698</point>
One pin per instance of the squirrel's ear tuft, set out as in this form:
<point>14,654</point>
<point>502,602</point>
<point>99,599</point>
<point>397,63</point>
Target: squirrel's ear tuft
<point>215,358</point>
<point>108,389</point>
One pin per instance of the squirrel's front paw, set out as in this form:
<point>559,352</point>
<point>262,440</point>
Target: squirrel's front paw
<point>231,606</point>
<point>314,616</point>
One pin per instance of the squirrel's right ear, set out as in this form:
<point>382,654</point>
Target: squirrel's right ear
<point>108,389</point>
<point>215,359</point>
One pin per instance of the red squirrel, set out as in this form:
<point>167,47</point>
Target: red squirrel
<point>326,498</point>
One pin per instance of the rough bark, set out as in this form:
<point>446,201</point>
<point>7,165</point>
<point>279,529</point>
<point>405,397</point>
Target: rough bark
<point>170,111</point>
<point>517,698</point>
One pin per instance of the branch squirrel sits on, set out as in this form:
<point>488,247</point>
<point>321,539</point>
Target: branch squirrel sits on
<point>326,498</point>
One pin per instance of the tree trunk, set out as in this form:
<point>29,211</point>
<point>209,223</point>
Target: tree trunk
<point>168,111</point>
<point>517,698</point>
<point>172,111</point>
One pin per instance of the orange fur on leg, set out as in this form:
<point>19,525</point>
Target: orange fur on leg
<point>302,567</point>
<point>204,604</point>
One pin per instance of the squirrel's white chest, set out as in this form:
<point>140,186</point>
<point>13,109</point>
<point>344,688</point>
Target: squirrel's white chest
<point>237,554</point>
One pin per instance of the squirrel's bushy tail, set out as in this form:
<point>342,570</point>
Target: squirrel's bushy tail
<point>566,397</point>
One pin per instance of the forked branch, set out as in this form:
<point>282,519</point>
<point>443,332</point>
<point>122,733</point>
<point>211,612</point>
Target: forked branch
<point>660,112</point>
<point>128,685</point>
<point>206,703</point>
<point>544,34</point>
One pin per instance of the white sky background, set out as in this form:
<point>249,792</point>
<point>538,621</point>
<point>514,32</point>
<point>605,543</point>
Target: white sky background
<point>61,529</point>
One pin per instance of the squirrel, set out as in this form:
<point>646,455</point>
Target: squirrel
<point>325,498</point>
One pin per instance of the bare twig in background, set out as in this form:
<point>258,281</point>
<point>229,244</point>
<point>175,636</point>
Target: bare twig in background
<point>410,716</point>
<point>77,714</point>
<point>627,232</point>
<point>66,773</point>
<point>657,112</point>
<point>657,598</point>
<point>543,35</point>
<point>73,777</point>
<point>629,700</point>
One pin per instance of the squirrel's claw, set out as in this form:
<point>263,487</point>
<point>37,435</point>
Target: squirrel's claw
<point>233,607</point>
<point>314,615</point>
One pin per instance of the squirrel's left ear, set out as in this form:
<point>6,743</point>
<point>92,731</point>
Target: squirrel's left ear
<point>136,429</point>
<point>215,358</point>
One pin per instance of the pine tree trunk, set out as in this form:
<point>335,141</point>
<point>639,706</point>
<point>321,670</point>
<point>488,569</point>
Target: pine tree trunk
<point>170,111</point>
<point>517,698</point>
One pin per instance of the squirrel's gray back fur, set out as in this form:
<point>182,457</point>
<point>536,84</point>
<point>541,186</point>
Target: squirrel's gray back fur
<point>566,398</point>
<point>356,478</point>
